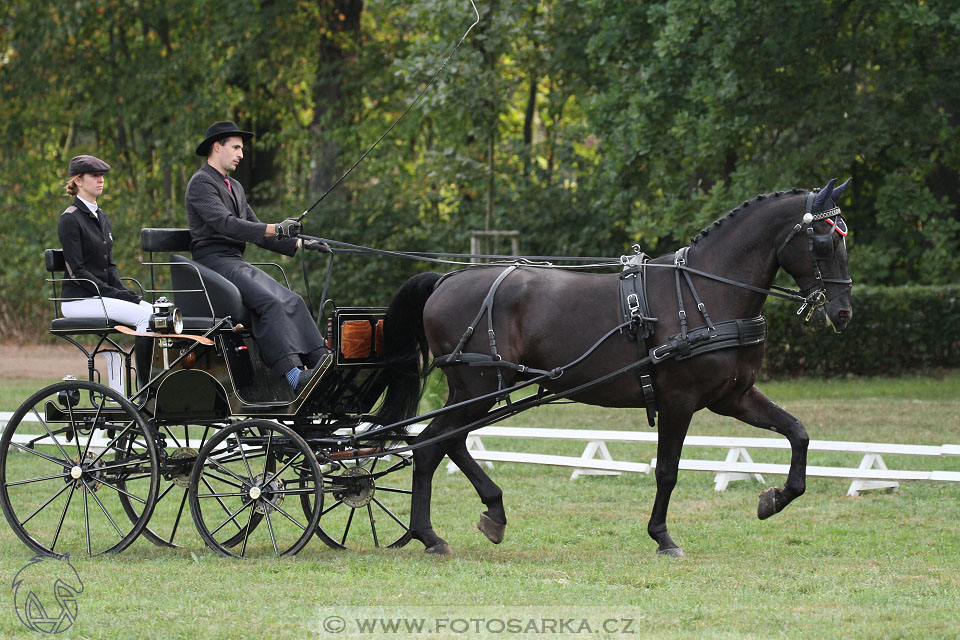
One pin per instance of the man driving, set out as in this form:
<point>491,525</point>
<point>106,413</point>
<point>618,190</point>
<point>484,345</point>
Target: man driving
<point>221,224</point>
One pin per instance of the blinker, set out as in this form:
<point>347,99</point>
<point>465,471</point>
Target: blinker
<point>823,244</point>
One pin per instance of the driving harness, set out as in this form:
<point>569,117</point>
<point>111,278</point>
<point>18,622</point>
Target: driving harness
<point>639,326</point>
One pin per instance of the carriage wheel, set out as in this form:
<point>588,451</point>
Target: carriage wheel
<point>183,443</point>
<point>367,502</point>
<point>69,457</point>
<point>250,473</point>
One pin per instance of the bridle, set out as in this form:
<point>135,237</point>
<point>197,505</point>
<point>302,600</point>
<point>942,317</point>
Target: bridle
<point>820,247</point>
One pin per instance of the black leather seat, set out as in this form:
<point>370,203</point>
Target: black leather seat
<point>194,304</point>
<point>54,264</point>
<point>191,279</point>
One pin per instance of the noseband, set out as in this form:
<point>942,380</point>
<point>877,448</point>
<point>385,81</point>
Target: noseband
<point>820,247</point>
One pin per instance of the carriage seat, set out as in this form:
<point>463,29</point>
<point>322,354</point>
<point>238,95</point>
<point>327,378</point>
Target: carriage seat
<point>191,280</point>
<point>54,264</point>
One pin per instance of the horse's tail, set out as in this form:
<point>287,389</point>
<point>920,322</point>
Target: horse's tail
<point>406,353</point>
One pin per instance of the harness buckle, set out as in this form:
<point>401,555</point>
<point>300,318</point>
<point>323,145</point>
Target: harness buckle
<point>633,302</point>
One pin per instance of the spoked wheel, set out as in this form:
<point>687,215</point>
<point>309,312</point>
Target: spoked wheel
<point>250,473</point>
<point>182,444</point>
<point>70,456</point>
<point>367,502</point>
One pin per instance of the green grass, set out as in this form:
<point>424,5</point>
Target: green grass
<point>881,565</point>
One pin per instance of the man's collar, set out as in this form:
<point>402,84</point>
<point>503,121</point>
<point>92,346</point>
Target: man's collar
<point>213,168</point>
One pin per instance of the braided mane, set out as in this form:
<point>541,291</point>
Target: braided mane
<point>733,213</point>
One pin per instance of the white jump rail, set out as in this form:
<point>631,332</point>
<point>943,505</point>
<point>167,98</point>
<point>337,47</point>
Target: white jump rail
<point>871,473</point>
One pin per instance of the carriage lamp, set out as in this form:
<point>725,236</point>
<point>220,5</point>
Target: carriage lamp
<point>69,397</point>
<point>166,317</point>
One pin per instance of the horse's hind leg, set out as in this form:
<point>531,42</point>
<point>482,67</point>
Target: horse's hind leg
<point>427,458</point>
<point>493,521</point>
<point>425,462</point>
<point>758,410</point>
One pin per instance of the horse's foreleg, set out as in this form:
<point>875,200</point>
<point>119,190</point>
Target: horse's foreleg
<point>425,462</point>
<point>672,430</point>
<point>493,521</point>
<point>758,410</point>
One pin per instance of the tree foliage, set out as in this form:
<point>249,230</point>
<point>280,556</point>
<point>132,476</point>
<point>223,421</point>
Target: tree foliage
<point>587,125</point>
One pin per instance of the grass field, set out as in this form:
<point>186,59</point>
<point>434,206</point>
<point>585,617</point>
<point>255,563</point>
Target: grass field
<point>883,565</point>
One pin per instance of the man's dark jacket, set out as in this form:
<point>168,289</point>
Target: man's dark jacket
<point>218,215</point>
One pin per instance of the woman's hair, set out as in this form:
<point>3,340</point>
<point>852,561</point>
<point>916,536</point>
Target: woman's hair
<point>71,186</point>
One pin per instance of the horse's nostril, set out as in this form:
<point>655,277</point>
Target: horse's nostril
<point>843,315</point>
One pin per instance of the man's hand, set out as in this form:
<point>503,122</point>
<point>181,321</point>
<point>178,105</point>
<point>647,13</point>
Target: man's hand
<point>289,228</point>
<point>314,244</point>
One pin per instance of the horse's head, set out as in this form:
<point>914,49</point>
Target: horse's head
<point>814,252</point>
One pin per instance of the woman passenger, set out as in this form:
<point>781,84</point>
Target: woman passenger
<point>87,241</point>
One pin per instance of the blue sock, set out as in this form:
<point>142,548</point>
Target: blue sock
<point>293,377</point>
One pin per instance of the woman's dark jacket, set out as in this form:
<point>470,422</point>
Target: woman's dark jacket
<point>88,253</point>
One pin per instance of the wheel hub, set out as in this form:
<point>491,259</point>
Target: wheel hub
<point>357,487</point>
<point>266,497</point>
<point>182,459</point>
<point>84,474</point>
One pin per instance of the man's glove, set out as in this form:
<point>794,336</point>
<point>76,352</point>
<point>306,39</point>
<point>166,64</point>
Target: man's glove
<point>289,228</point>
<point>314,244</point>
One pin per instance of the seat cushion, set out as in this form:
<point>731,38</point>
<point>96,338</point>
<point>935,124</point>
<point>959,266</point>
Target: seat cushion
<point>82,325</point>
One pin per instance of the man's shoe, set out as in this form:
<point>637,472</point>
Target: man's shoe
<point>305,376</point>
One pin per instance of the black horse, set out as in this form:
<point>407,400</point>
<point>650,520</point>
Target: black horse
<point>546,318</point>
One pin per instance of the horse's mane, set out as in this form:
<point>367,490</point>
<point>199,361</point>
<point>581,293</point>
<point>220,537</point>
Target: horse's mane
<point>734,212</point>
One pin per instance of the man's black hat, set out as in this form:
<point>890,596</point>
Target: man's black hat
<point>219,131</point>
<point>87,164</point>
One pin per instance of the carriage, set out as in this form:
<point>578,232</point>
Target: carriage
<point>87,467</point>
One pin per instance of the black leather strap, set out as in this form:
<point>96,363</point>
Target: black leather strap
<point>731,333</point>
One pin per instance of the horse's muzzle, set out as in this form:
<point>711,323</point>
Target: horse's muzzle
<point>840,319</point>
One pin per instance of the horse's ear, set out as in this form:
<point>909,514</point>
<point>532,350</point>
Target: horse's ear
<point>839,190</point>
<point>824,196</point>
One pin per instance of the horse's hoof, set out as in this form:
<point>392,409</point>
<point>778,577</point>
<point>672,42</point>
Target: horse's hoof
<point>768,503</point>
<point>672,552</point>
<point>492,529</point>
<point>439,549</point>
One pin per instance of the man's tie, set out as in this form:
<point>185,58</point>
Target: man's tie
<point>227,180</point>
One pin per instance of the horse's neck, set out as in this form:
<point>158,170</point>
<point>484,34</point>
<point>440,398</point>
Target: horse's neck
<point>742,251</point>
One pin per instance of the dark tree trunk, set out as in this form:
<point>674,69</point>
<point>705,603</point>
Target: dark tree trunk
<point>340,23</point>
